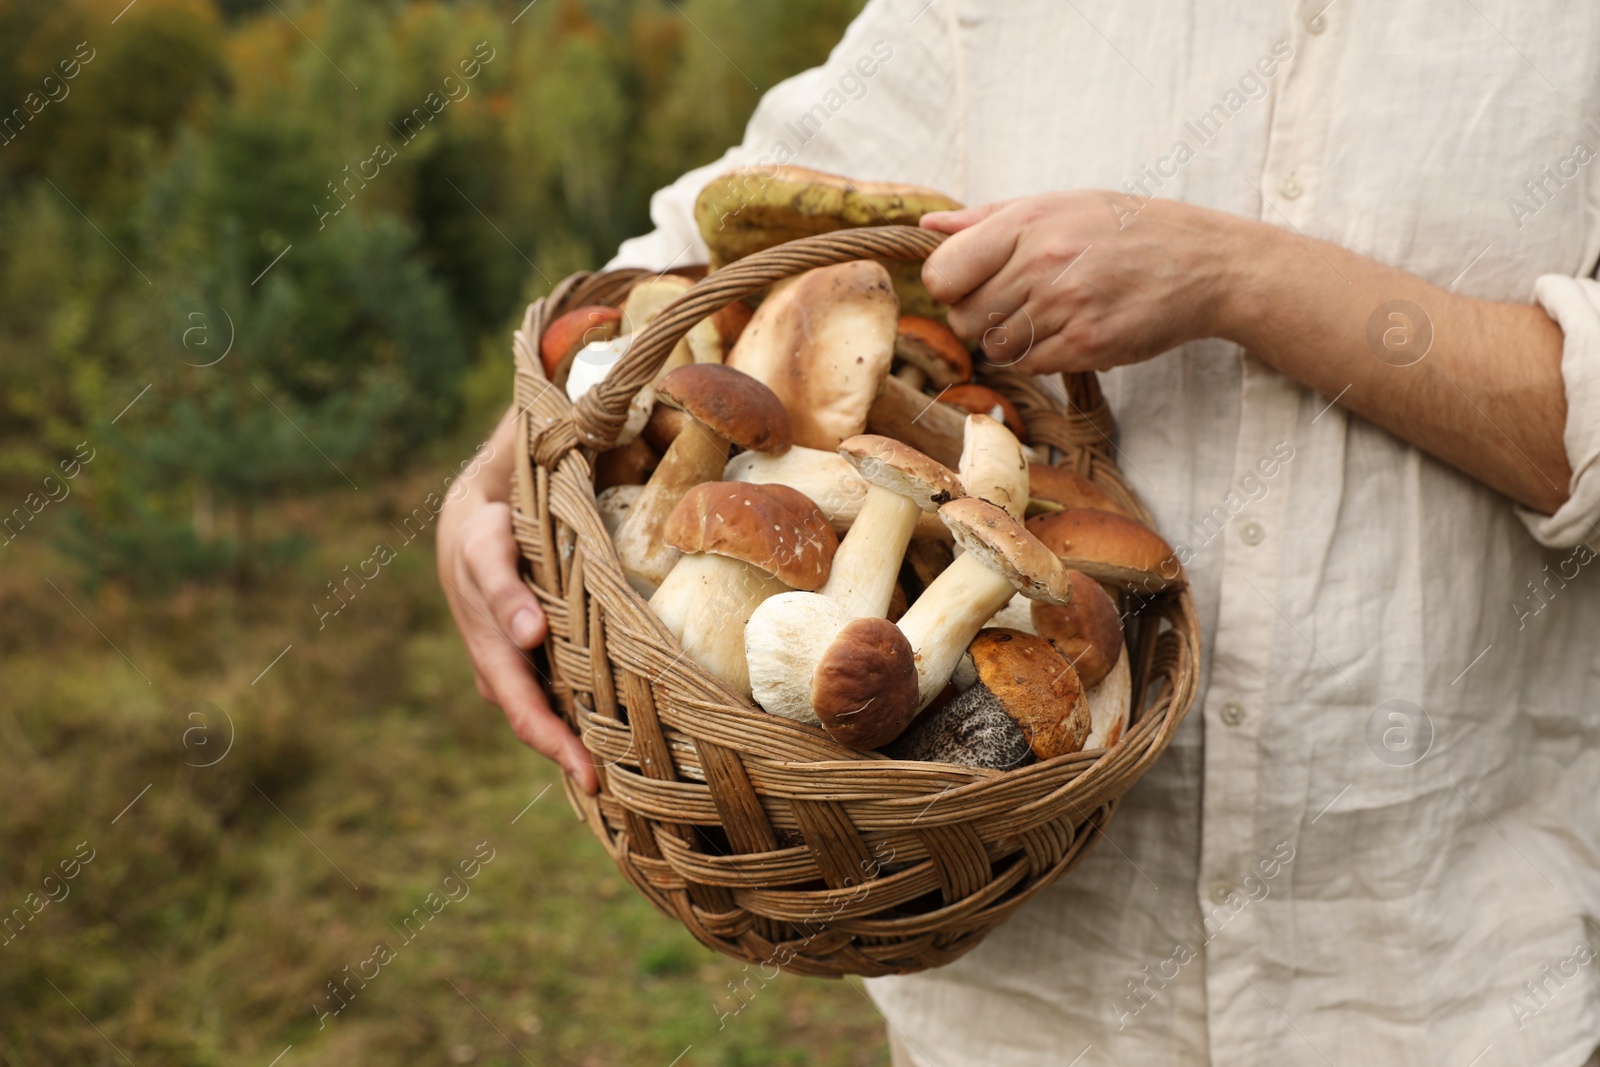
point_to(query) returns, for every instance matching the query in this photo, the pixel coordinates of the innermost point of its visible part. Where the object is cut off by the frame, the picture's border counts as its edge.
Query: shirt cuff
(1574, 303)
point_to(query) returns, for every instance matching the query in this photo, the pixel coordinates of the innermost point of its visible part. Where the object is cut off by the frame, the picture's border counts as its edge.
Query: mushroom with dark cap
(742, 544)
(1028, 704)
(1001, 556)
(1087, 630)
(810, 661)
(724, 406)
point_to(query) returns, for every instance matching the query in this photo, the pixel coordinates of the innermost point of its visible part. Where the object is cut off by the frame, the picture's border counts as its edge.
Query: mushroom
(810, 661)
(648, 298)
(615, 503)
(714, 336)
(929, 353)
(570, 332)
(981, 400)
(823, 342)
(826, 477)
(1110, 548)
(1027, 704)
(1111, 705)
(628, 464)
(1053, 488)
(741, 544)
(590, 367)
(993, 467)
(902, 483)
(724, 406)
(1001, 555)
(1087, 630)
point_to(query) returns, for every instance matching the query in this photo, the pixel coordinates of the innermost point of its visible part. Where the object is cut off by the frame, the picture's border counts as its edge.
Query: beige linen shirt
(1375, 840)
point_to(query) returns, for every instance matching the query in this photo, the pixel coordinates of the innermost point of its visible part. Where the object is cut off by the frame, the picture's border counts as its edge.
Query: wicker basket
(768, 840)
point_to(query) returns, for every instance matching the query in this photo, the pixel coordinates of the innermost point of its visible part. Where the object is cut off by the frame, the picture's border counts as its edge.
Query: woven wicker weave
(768, 840)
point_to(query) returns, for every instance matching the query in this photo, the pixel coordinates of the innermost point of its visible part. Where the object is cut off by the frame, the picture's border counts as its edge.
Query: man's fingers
(490, 554)
(528, 711)
(955, 221)
(968, 259)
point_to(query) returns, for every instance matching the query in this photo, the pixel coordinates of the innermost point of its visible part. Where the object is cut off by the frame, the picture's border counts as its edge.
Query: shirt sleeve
(1574, 303)
(884, 107)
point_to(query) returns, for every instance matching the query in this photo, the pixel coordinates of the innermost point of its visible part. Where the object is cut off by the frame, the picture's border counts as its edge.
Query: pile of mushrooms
(831, 517)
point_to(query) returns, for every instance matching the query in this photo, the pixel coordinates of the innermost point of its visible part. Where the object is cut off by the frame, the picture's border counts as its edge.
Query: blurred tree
(181, 195)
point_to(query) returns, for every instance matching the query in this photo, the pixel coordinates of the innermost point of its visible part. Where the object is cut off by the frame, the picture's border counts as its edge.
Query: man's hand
(1089, 280)
(1083, 280)
(499, 617)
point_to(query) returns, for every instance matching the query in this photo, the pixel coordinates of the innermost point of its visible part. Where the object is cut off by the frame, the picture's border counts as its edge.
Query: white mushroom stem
(705, 602)
(947, 616)
(868, 560)
(696, 455)
(828, 479)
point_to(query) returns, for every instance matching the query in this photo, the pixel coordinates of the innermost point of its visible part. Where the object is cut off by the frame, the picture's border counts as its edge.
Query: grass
(222, 900)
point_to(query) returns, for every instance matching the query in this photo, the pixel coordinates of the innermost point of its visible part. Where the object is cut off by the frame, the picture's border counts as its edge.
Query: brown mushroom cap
(570, 332)
(1110, 548)
(729, 403)
(931, 347)
(896, 466)
(1087, 631)
(978, 399)
(772, 527)
(864, 688)
(1036, 686)
(730, 323)
(1005, 546)
(1069, 489)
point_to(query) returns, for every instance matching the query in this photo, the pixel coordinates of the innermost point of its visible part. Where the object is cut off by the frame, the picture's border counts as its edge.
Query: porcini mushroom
(993, 466)
(901, 483)
(1052, 488)
(590, 367)
(1087, 630)
(648, 298)
(1111, 705)
(981, 400)
(826, 477)
(1110, 548)
(570, 332)
(724, 406)
(809, 660)
(742, 544)
(823, 342)
(1001, 556)
(929, 353)
(615, 503)
(1027, 704)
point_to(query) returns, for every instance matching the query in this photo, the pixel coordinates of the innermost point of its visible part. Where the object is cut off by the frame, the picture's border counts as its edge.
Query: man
(1336, 260)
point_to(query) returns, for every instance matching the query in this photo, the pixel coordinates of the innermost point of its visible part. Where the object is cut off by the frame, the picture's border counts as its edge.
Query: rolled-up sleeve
(886, 106)
(1574, 303)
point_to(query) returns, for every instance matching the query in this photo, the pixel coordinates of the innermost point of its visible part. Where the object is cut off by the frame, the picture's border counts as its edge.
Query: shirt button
(1316, 24)
(1233, 713)
(1290, 188)
(1220, 893)
(1252, 532)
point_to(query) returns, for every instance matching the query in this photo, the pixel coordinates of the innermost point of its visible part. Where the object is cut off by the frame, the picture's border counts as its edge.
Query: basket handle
(598, 417)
